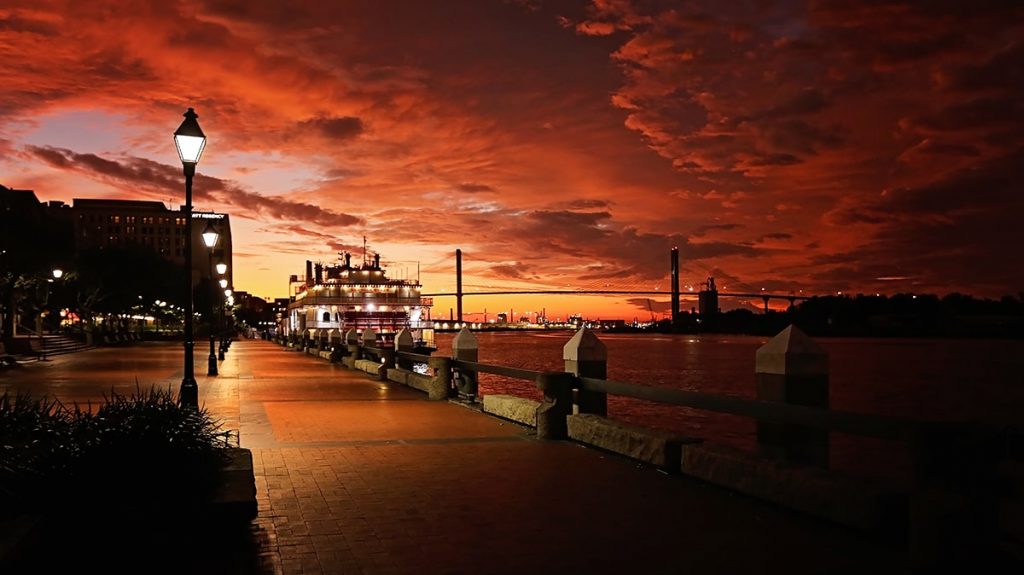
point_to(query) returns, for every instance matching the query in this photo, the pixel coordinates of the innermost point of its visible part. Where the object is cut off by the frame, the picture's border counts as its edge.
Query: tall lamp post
(210, 236)
(190, 141)
(222, 269)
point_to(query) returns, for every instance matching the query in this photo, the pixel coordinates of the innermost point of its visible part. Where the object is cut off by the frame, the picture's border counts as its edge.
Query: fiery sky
(864, 146)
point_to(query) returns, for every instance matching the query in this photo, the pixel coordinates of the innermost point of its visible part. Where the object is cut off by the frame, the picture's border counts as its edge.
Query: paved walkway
(359, 476)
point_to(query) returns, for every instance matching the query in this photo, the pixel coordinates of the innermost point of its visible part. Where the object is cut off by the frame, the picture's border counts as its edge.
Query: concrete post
(465, 347)
(351, 339)
(556, 407)
(441, 381)
(585, 355)
(793, 369)
(404, 342)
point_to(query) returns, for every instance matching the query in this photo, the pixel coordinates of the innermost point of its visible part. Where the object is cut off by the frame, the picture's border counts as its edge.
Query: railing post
(557, 405)
(585, 355)
(404, 343)
(465, 347)
(441, 380)
(791, 368)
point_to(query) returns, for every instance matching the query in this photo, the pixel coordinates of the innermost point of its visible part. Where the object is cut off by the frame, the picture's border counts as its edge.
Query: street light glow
(222, 268)
(210, 235)
(189, 139)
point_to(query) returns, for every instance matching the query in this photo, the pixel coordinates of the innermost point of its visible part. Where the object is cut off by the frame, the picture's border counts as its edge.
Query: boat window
(327, 316)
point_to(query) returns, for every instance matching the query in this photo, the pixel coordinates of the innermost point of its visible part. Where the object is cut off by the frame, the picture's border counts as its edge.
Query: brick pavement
(359, 476)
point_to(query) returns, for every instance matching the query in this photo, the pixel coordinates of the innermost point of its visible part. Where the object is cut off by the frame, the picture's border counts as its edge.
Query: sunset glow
(796, 147)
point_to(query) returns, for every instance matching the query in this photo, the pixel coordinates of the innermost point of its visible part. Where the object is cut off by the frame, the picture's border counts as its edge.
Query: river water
(933, 379)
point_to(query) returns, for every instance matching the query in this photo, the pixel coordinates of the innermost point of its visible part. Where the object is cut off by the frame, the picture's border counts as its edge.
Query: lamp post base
(189, 394)
(211, 361)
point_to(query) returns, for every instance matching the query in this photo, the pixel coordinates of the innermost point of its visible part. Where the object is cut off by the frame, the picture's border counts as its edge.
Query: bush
(132, 452)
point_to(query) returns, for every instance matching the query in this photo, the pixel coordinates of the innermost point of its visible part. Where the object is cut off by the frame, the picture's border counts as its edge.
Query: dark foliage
(131, 453)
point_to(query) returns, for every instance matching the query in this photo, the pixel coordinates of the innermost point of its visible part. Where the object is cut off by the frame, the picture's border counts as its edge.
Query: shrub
(138, 451)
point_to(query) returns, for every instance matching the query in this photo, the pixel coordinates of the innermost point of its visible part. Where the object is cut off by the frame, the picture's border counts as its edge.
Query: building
(105, 224)
(707, 299)
(31, 245)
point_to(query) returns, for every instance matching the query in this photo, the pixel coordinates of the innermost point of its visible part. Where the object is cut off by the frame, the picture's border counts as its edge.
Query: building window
(130, 230)
(129, 219)
(327, 316)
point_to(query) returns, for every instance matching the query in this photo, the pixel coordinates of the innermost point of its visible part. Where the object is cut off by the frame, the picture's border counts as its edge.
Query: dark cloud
(340, 128)
(135, 172)
(1003, 71)
(808, 101)
(703, 230)
(473, 188)
(16, 23)
(585, 204)
(953, 231)
(650, 305)
(511, 271)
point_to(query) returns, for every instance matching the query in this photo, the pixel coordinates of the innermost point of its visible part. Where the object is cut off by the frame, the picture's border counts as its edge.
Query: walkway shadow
(79, 543)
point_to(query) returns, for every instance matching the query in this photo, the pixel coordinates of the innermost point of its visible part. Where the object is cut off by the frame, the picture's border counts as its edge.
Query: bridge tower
(458, 282)
(675, 286)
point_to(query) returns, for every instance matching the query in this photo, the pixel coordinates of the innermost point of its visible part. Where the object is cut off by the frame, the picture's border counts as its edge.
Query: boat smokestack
(318, 273)
(309, 273)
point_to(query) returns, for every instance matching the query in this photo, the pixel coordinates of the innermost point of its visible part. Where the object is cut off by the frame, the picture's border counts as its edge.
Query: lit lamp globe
(223, 283)
(58, 273)
(190, 140)
(210, 235)
(222, 268)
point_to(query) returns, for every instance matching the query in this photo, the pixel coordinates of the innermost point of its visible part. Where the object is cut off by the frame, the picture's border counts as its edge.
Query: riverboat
(333, 298)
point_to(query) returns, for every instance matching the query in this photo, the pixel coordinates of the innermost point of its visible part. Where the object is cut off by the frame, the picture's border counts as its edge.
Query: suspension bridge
(707, 296)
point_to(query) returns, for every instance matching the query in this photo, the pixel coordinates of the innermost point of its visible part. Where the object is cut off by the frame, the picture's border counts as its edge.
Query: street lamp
(57, 274)
(210, 236)
(190, 141)
(222, 268)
